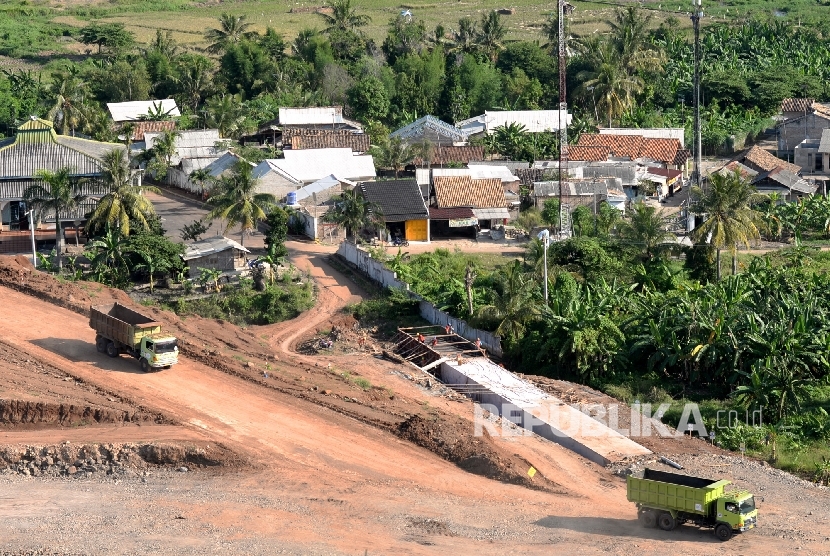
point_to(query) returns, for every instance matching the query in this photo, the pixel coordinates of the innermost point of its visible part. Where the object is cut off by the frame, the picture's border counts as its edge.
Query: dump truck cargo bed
(660, 489)
(120, 323)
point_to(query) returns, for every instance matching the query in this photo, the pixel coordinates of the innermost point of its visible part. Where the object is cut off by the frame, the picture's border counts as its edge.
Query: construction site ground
(306, 451)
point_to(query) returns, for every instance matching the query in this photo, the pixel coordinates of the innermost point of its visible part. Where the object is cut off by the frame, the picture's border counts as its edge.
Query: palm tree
(194, 79)
(491, 37)
(394, 154)
(607, 81)
(69, 92)
(124, 201)
(234, 199)
(163, 151)
(646, 228)
(152, 264)
(352, 211)
(107, 258)
(511, 140)
(226, 114)
(63, 195)
(233, 28)
(515, 302)
(464, 40)
(201, 176)
(343, 16)
(730, 219)
(630, 38)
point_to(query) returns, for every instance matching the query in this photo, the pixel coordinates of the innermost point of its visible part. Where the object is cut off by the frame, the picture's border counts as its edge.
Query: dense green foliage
(637, 74)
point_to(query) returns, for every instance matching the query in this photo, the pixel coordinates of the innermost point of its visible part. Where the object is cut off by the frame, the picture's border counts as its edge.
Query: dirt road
(321, 482)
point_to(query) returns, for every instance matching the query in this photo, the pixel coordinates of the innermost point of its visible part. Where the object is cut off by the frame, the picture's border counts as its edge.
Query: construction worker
(447, 329)
(421, 338)
(434, 341)
(478, 346)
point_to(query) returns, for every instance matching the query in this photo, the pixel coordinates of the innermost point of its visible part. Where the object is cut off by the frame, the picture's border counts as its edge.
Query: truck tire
(112, 350)
(101, 344)
(666, 521)
(723, 532)
(648, 519)
(145, 366)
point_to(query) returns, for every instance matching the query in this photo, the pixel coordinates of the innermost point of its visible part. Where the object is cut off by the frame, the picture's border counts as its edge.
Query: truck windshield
(748, 505)
(165, 347)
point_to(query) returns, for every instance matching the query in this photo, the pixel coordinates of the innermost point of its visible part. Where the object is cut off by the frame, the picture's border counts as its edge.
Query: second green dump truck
(667, 499)
(121, 330)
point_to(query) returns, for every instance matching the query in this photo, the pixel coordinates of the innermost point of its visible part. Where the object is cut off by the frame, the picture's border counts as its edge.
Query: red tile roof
(140, 127)
(620, 145)
(588, 154)
(767, 161)
(454, 155)
(630, 146)
(796, 104)
(463, 191)
(301, 138)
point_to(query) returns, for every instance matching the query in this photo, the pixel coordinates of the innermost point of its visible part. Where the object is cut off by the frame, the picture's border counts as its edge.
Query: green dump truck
(668, 499)
(122, 330)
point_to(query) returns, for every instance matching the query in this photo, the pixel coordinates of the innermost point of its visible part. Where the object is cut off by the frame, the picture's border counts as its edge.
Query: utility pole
(564, 7)
(544, 236)
(697, 13)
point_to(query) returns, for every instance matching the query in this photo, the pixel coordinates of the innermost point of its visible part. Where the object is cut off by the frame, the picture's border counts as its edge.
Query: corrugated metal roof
(787, 179)
(210, 246)
(187, 139)
(317, 187)
(491, 213)
(320, 115)
(479, 172)
(824, 145)
(572, 188)
(430, 127)
(511, 165)
(191, 164)
(133, 110)
(535, 121)
(422, 176)
(36, 146)
(312, 164)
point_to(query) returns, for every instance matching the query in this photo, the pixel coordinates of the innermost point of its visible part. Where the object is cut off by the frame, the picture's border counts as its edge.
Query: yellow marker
(531, 472)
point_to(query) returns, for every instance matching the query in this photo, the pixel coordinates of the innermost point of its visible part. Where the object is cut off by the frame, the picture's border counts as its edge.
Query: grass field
(188, 20)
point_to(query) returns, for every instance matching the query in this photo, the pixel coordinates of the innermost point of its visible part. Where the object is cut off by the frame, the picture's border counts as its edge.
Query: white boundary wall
(378, 272)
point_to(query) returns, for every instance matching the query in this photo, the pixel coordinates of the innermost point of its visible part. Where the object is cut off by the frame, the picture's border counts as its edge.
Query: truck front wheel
(648, 519)
(666, 522)
(112, 350)
(723, 532)
(145, 366)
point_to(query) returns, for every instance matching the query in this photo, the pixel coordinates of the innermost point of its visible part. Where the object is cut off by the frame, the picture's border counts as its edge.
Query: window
(732, 507)
(748, 505)
(166, 347)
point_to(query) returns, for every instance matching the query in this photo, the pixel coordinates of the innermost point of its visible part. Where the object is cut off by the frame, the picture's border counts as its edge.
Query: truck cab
(737, 509)
(158, 351)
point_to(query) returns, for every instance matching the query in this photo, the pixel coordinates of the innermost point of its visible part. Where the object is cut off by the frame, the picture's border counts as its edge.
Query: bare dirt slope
(330, 472)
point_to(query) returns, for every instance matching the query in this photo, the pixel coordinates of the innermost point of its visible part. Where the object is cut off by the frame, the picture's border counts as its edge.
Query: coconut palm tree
(464, 40)
(163, 151)
(62, 195)
(226, 114)
(232, 29)
(235, 200)
(630, 38)
(607, 81)
(352, 211)
(730, 219)
(394, 154)
(69, 92)
(515, 302)
(491, 38)
(646, 228)
(124, 202)
(343, 16)
(194, 78)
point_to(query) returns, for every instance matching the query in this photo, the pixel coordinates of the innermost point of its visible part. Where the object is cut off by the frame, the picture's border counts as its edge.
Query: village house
(312, 202)
(36, 146)
(142, 116)
(484, 196)
(405, 214)
(215, 253)
(279, 176)
(770, 174)
(808, 126)
(195, 149)
(293, 127)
